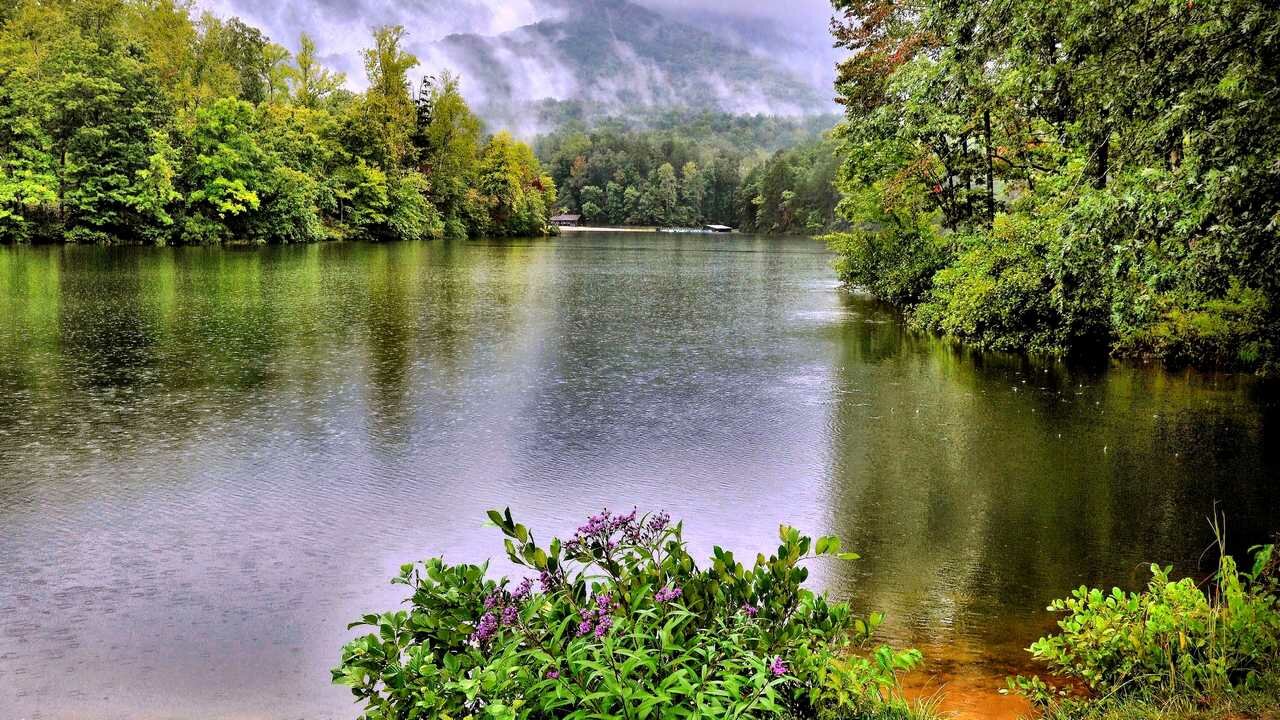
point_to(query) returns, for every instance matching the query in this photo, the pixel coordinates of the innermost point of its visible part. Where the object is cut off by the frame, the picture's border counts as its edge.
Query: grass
(1260, 703)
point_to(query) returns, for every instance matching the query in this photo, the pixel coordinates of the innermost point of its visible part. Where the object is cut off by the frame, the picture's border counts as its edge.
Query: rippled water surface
(212, 460)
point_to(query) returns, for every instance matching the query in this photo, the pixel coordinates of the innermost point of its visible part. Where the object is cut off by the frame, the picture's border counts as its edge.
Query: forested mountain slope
(613, 56)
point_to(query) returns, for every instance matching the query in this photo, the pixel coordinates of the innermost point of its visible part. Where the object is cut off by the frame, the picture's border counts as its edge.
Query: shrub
(1260, 702)
(895, 264)
(997, 293)
(896, 243)
(1015, 287)
(411, 215)
(624, 625)
(1229, 332)
(288, 211)
(1172, 641)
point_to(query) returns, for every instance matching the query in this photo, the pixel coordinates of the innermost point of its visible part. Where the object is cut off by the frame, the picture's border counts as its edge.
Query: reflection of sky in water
(210, 461)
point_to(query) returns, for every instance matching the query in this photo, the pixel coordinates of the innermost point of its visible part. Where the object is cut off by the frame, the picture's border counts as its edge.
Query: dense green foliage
(626, 625)
(791, 192)
(1174, 641)
(135, 121)
(1057, 176)
(714, 169)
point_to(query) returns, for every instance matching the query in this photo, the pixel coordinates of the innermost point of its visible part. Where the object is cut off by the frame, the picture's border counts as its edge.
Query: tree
(29, 182)
(447, 143)
(615, 202)
(707, 153)
(388, 108)
(310, 82)
(244, 48)
(226, 172)
(275, 59)
(82, 136)
(593, 201)
(166, 30)
(693, 191)
(516, 193)
(138, 121)
(212, 73)
(666, 194)
(1066, 175)
(632, 205)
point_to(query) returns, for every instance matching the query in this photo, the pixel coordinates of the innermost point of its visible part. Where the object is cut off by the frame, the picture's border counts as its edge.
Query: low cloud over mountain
(602, 56)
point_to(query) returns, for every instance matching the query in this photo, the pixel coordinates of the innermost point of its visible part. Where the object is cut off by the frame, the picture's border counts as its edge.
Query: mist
(505, 64)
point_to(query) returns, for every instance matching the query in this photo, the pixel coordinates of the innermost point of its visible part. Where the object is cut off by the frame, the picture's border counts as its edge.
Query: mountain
(613, 57)
(803, 46)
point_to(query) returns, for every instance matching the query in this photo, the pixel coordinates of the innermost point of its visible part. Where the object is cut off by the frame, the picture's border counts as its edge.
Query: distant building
(566, 220)
(718, 228)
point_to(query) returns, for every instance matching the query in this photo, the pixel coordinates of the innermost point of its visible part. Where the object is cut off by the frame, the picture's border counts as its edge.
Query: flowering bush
(623, 624)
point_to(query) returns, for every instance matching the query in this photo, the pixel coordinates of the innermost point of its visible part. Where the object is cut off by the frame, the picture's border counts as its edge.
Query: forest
(139, 121)
(142, 121)
(1067, 177)
(755, 173)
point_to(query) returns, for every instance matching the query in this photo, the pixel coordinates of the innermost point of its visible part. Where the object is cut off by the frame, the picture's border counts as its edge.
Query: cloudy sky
(793, 31)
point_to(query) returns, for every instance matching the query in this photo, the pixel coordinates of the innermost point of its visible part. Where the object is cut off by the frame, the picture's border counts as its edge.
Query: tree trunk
(991, 174)
(1099, 153)
(1097, 169)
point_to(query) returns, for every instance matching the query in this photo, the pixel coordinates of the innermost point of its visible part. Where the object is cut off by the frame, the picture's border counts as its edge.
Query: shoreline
(566, 229)
(583, 228)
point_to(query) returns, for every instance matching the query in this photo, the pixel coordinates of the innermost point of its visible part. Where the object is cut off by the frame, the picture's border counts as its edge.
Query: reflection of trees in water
(124, 347)
(177, 318)
(981, 486)
(432, 308)
(28, 327)
(127, 350)
(106, 332)
(658, 341)
(393, 299)
(948, 469)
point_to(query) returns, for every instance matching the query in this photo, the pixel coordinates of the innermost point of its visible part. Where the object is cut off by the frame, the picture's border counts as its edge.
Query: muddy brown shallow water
(211, 460)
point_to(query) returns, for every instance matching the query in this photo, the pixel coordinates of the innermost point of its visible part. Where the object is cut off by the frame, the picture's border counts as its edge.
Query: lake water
(211, 460)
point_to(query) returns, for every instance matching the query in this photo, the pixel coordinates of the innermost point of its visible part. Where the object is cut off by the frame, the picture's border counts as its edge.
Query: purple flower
(666, 595)
(750, 610)
(606, 532)
(491, 600)
(553, 674)
(658, 522)
(604, 602)
(602, 627)
(623, 521)
(510, 615)
(549, 580)
(596, 524)
(584, 628)
(485, 629)
(777, 667)
(523, 589)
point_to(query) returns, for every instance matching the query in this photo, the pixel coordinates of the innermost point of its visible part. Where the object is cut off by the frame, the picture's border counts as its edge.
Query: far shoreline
(565, 229)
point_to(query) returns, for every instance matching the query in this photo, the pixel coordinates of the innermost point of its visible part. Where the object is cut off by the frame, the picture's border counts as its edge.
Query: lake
(212, 459)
